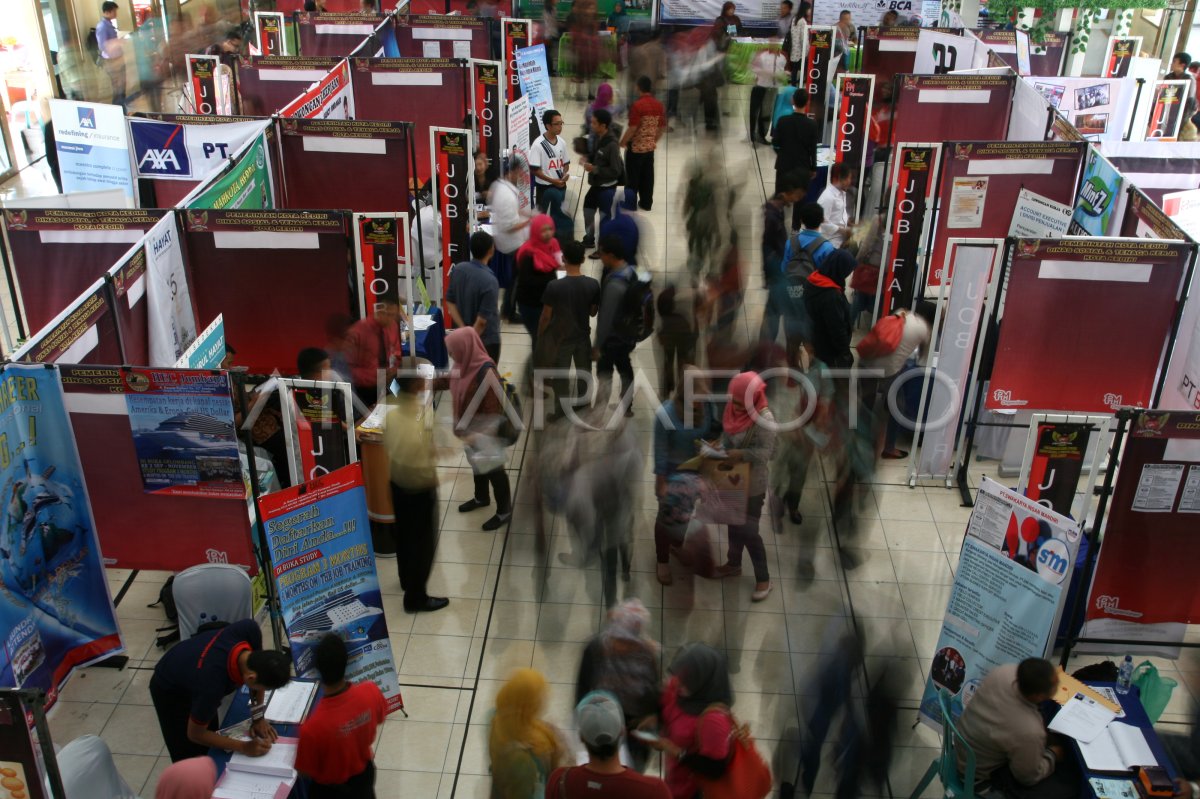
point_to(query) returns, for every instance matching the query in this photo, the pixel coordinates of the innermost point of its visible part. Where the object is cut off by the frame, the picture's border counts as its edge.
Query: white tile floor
(509, 610)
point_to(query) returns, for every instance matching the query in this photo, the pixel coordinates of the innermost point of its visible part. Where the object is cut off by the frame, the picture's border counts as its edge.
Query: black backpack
(637, 309)
(795, 281)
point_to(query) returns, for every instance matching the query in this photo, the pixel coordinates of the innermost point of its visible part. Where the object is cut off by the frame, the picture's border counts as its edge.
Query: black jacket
(795, 140)
(606, 157)
(829, 312)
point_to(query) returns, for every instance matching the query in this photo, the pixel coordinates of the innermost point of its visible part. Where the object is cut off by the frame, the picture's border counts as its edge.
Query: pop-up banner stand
(443, 36)
(487, 108)
(56, 253)
(298, 258)
(318, 429)
(910, 208)
(1059, 450)
(318, 157)
(454, 188)
(428, 92)
(385, 264)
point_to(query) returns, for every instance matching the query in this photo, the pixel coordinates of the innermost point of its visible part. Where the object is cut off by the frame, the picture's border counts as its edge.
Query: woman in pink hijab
(193, 778)
(749, 436)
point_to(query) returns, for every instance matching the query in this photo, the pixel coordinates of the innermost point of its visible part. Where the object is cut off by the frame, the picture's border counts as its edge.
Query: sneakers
(761, 592)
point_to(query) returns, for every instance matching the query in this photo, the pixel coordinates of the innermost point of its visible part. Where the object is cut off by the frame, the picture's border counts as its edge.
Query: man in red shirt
(647, 124)
(373, 346)
(601, 724)
(335, 741)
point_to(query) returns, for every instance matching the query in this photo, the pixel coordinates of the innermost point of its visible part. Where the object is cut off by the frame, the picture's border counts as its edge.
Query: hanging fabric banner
(818, 67)
(202, 78)
(1057, 464)
(1096, 202)
(57, 612)
(324, 569)
(454, 184)
(487, 106)
(246, 185)
(332, 97)
(172, 319)
(912, 190)
(515, 34)
(269, 33)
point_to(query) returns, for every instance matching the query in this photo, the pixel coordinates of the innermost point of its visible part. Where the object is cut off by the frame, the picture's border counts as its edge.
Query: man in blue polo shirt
(193, 678)
(473, 295)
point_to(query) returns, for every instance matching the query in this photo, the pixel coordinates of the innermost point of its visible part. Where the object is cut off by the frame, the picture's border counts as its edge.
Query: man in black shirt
(795, 141)
(564, 332)
(193, 678)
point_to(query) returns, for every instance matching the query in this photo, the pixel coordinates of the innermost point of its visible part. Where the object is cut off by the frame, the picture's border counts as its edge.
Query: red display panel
(334, 34)
(277, 276)
(997, 171)
(171, 532)
(1145, 220)
(952, 107)
(1044, 59)
(1085, 324)
(1147, 568)
(85, 332)
(463, 7)
(428, 92)
(268, 83)
(290, 7)
(132, 308)
(57, 253)
(888, 52)
(318, 154)
(415, 32)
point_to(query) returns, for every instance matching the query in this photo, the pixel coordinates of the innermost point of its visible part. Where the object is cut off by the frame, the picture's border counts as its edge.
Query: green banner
(246, 185)
(639, 9)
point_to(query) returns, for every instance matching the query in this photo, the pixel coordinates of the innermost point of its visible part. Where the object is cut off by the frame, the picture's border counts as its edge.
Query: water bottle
(1125, 675)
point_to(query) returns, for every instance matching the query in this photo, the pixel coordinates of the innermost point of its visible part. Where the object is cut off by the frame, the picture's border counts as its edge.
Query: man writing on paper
(335, 741)
(196, 675)
(1004, 727)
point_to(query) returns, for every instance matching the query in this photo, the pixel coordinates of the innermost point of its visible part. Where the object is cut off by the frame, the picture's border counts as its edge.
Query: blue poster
(324, 568)
(55, 612)
(1097, 197)
(534, 75)
(183, 432)
(999, 612)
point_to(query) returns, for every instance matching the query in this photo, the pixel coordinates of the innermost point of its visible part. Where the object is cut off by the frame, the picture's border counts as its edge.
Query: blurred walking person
(523, 748)
(564, 331)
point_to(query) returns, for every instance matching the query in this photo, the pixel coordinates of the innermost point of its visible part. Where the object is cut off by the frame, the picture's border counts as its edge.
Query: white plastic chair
(211, 592)
(88, 771)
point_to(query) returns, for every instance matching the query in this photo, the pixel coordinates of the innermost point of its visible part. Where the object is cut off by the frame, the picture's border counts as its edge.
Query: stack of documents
(271, 776)
(289, 704)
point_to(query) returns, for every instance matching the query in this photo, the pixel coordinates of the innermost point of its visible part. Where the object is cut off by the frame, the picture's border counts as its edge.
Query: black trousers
(493, 351)
(360, 786)
(174, 710)
(613, 355)
(758, 124)
(416, 540)
(639, 177)
(578, 353)
(498, 480)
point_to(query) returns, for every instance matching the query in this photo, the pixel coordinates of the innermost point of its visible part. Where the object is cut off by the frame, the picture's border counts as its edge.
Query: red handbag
(747, 776)
(883, 339)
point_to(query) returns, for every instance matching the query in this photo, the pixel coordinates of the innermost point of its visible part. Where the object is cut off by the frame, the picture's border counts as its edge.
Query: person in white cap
(601, 724)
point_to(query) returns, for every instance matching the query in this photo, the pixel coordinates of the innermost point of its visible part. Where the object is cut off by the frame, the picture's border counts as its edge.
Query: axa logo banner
(171, 151)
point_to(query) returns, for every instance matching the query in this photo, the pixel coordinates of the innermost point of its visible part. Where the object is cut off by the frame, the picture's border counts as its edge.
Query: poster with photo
(968, 197)
(1053, 93)
(184, 433)
(1100, 108)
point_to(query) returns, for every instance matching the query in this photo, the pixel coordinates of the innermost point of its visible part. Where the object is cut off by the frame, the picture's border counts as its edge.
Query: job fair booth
(1052, 220)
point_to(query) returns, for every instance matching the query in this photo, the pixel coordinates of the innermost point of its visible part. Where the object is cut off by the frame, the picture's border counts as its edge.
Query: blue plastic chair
(946, 765)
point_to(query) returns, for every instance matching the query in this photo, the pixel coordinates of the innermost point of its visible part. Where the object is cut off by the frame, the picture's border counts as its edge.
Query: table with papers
(1115, 742)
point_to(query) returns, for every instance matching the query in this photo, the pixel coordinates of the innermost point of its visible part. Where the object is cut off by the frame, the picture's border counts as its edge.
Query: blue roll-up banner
(56, 612)
(534, 75)
(323, 563)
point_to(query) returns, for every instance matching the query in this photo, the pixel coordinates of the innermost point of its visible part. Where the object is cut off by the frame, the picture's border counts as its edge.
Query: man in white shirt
(770, 69)
(836, 227)
(549, 163)
(510, 228)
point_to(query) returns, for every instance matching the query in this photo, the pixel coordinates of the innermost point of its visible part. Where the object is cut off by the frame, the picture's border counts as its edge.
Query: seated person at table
(1184, 751)
(193, 678)
(335, 741)
(1004, 727)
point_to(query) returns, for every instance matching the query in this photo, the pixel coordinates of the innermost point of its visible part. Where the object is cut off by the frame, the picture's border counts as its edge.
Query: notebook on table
(1120, 747)
(271, 776)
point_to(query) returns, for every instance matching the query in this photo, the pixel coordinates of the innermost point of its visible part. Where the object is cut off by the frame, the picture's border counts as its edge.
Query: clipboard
(1068, 686)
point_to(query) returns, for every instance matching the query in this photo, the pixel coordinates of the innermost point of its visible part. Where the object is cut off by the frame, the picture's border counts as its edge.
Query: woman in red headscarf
(538, 261)
(749, 437)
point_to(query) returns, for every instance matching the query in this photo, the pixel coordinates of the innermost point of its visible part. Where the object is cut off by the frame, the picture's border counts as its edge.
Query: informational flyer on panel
(1038, 217)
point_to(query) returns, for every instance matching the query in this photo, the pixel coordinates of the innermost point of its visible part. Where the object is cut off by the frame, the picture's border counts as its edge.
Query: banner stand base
(115, 662)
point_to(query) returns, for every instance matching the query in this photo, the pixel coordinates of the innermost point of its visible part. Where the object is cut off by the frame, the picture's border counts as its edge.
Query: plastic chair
(946, 765)
(211, 592)
(88, 771)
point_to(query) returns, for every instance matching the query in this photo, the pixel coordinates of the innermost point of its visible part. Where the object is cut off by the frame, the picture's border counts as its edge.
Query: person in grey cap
(601, 724)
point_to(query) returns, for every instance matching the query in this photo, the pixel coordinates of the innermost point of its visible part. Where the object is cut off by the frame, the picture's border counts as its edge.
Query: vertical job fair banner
(1166, 109)
(92, 146)
(1121, 51)
(379, 245)
(1145, 578)
(818, 69)
(57, 613)
(269, 33)
(1057, 464)
(1009, 590)
(487, 108)
(247, 183)
(1097, 199)
(20, 766)
(178, 151)
(317, 438)
(323, 564)
(202, 80)
(171, 315)
(208, 350)
(332, 97)
(514, 34)
(913, 174)
(851, 126)
(183, 432)
(534, 76)
(453, 171)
